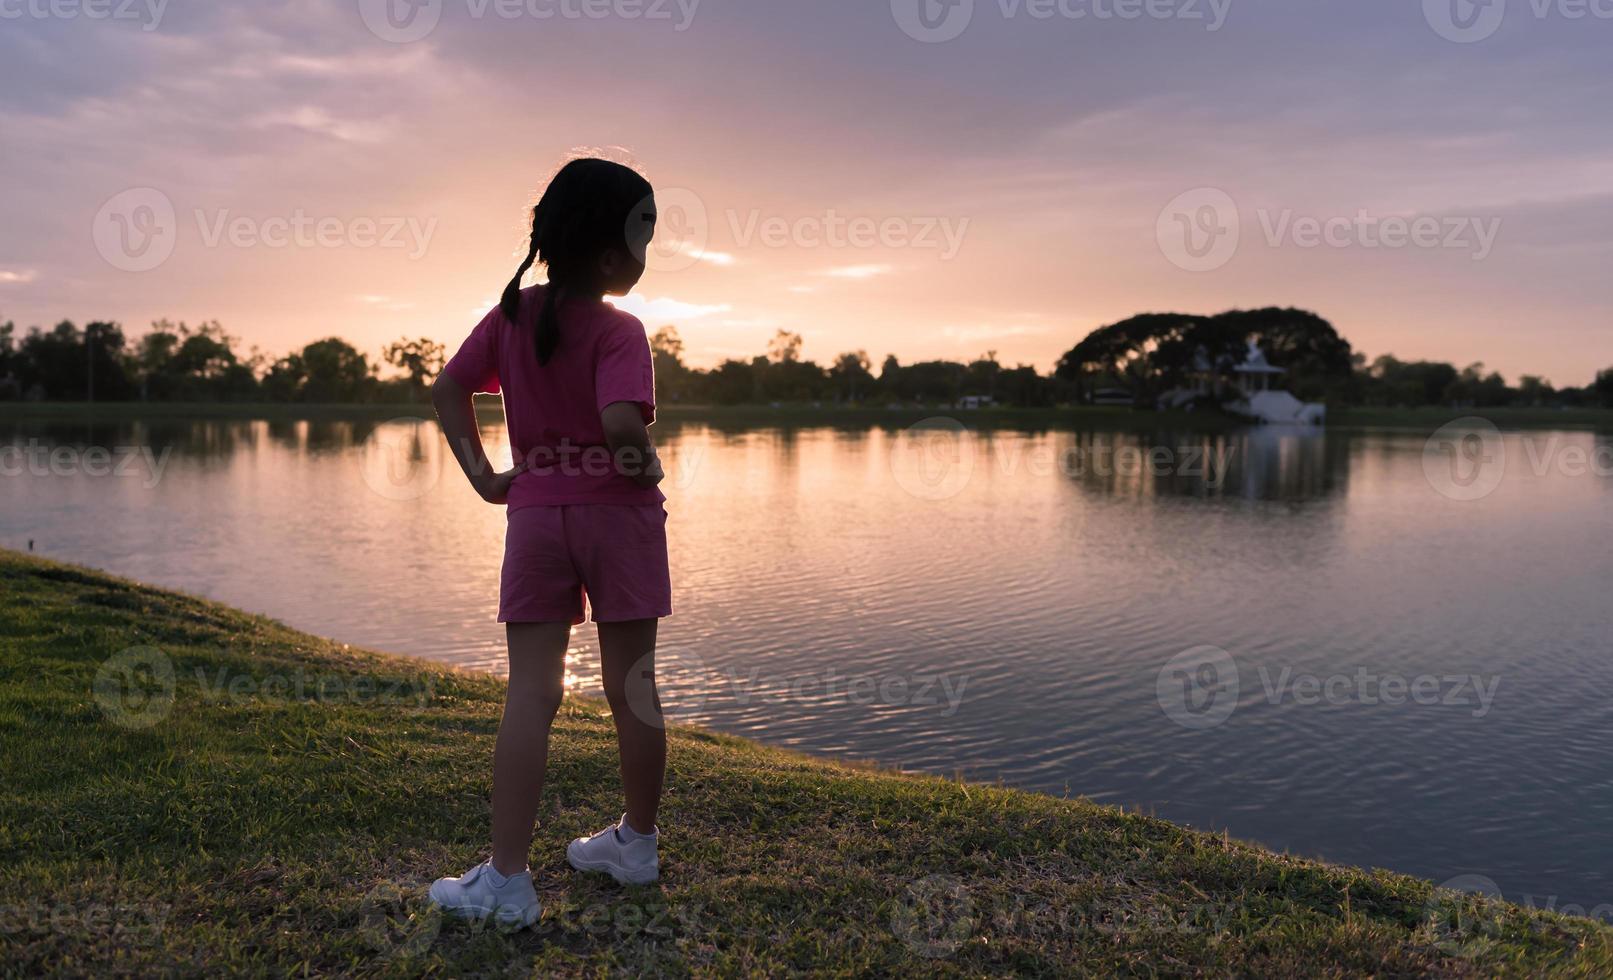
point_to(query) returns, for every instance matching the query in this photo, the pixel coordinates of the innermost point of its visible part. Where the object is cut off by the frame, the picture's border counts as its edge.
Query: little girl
(586, 521)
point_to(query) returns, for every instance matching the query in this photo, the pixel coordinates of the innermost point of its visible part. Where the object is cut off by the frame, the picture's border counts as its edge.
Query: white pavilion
(1263, 403)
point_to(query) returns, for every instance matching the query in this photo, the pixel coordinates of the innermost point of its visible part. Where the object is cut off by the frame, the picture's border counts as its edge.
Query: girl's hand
(495, 489)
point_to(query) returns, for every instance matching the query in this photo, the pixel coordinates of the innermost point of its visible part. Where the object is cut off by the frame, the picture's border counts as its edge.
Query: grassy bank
(190, 789)
(761, 416)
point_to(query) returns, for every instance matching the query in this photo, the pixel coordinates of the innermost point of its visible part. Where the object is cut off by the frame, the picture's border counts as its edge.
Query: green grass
(242, 825)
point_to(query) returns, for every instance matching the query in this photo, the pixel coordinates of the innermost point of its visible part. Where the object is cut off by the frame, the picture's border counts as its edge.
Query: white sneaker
(630, 862)
(474, 896)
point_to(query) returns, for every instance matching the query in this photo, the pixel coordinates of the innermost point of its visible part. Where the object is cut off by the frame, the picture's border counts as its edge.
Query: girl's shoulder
(610, 323)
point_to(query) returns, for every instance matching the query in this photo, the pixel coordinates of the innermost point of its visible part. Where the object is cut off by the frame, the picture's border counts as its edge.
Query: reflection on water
(1310, 639)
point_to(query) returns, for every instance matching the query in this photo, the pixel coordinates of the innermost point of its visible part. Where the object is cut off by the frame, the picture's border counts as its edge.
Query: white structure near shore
(1265, 404)
(1255, 398)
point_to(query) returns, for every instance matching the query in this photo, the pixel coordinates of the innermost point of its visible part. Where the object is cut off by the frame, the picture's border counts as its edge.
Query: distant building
(1263, 403)
(1113, 396)
(1252, 395)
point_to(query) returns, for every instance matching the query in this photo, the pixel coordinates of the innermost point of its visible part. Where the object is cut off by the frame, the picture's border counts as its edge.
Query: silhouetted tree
(1535, 391)
(733, 382)
(785, 347)
(420, 360)
(1476, 388)
(1395, 383)
(284, 380)
(1154, 352)
(334, 371)
(850, 377)
(672, 378)
(1602, 388)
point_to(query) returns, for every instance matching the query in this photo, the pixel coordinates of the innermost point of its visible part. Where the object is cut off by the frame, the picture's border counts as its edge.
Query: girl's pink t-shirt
(552, 410)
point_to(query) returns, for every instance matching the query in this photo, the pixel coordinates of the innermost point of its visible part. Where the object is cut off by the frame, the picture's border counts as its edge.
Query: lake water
(1362, 646)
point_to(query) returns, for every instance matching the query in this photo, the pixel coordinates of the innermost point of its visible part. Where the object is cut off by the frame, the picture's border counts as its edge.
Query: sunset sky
(831, 154)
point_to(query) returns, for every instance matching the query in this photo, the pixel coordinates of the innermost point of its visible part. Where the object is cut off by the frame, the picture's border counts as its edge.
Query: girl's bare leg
(537, 684)
(627, 661)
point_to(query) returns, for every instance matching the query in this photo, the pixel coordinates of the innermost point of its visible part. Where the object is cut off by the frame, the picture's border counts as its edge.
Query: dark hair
(590, 206)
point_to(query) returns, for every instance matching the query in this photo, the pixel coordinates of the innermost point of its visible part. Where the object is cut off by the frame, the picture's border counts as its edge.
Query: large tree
(850, 377)
(1154, 352)
(335, 371)
(1602, 387)
(1316, 358)
(421, 360)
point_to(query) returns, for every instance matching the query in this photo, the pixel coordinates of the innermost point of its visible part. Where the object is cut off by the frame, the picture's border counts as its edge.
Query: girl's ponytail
(587, 209)
(547, 336)
(510, 302)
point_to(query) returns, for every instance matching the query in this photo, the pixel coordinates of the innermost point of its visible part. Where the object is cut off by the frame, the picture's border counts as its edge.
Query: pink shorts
(611, 557)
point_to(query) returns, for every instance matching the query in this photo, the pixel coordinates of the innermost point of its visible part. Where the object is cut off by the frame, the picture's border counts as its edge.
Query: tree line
(1144, 356)
(1153, 353)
